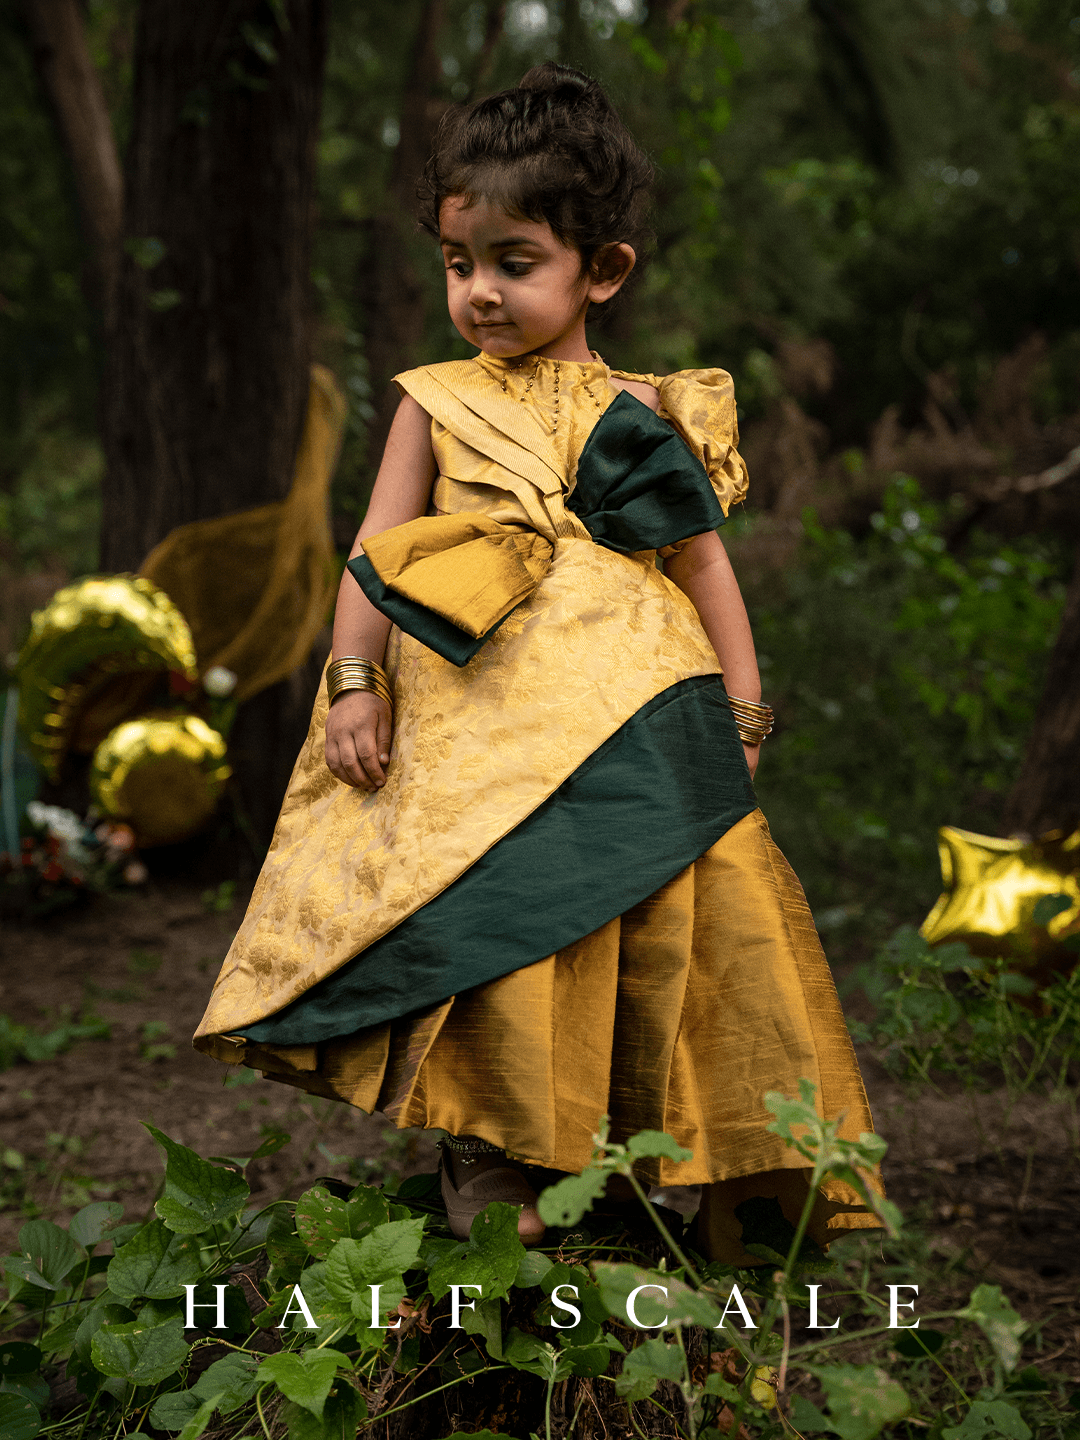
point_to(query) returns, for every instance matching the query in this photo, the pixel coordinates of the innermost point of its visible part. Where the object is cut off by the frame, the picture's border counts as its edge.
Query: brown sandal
(503, 1183)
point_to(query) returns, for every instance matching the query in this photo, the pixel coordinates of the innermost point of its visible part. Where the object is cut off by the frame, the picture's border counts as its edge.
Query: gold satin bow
(466, 568)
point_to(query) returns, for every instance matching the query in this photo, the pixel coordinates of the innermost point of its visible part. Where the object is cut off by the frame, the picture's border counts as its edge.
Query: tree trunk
(208, 366)
(207, 373)
(74, 86)
(393, 293)
(1047, 794)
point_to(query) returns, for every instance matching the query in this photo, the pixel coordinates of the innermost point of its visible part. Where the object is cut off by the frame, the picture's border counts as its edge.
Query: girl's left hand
(753, 754)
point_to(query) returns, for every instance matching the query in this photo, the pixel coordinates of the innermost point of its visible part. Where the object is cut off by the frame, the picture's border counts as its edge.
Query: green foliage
(944, 1012)
(20, 1042)
(136, 1365)
(904, 678)
(197, 1194)
(862, 1399)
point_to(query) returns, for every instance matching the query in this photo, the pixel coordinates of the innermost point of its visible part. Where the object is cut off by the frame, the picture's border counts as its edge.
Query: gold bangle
(753, 738)
(753, 720)
(354, 672)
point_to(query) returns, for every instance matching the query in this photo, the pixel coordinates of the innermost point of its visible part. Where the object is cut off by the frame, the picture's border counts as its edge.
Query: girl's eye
(459, 267)
(516, 267)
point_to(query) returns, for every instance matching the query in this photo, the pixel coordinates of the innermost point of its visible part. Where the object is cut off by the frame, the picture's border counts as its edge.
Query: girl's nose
(484, 291)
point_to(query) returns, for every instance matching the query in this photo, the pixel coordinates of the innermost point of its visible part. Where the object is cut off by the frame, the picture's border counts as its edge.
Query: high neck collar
(497, 366)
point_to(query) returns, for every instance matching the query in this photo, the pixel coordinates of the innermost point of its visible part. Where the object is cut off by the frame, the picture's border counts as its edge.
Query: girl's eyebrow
(446, 243)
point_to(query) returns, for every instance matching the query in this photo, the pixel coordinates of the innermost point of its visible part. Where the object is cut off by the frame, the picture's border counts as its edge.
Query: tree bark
(1047, 794)
(393, 292)
(207, 374)
(63, 59)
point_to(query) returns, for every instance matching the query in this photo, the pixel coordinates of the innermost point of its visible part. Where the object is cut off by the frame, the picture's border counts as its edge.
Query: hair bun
(561, 82)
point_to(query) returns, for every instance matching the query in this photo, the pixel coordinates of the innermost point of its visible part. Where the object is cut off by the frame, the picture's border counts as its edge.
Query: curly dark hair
(551, 149)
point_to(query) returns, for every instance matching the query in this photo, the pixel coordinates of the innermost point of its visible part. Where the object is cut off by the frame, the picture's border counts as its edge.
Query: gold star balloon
(991, 889)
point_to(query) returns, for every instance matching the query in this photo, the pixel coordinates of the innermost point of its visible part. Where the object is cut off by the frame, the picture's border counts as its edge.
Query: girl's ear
(608, 270)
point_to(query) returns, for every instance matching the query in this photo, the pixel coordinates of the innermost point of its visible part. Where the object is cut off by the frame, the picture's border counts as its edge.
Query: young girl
(520, 879)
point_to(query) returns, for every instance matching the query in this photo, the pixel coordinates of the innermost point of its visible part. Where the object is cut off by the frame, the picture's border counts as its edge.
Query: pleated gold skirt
(677, 1016)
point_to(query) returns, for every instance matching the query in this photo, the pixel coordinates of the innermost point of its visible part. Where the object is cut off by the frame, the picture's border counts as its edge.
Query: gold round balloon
(162, 774)
(94, 655)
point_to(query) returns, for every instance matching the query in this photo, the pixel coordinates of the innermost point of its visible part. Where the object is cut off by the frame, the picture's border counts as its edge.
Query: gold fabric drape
(256, 587)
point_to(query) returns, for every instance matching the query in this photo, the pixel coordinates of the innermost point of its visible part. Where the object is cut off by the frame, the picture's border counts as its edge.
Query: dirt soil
(994, 1197)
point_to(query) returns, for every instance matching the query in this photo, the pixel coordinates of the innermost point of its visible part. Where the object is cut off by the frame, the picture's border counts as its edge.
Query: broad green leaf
(565, 1203)
(655, 1358)
(367, 1207)
(478, 1435)
(61, 1338)
(588, 1361)
(286, 1251)
(233, 1380)
(804, 1416)
(329, 1313)
(90, 1225)
(680, 1306)
(155, 1263)
(387, 1251)
(491, 1258)
(717, 1385)
(140, 1354)
(272, 1144)
(197, 1194)
(173, 1410)
(494, 1236)
(485, 1319)
(998, 1321)
(19, 1358)
(49, 1250)
(460, 1266)
(22, 1276)
(104, 1311)
(322, 1219)
(19, 1418)
(304, 1379)
(200, 1420)
(987, 1418)
(918, 1343)
(655, 1143)
(534, 1266)
(347, 1281)
(342, 1416)
(862, 1399)
(536, 1356)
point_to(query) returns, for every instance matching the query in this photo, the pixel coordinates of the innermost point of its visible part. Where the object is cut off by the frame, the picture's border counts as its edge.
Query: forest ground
(987, 1198)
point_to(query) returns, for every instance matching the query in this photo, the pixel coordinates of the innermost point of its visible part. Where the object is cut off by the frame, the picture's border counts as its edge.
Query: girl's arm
(703, 572)
(358, 727)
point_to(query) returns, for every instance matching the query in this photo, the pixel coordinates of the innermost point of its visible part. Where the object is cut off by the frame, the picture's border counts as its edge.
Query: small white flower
(61, 824)
(219, 681)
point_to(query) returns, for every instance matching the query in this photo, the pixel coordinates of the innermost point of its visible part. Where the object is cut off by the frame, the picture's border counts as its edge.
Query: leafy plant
(21, 1042)
(329, 1315)
(904, 678)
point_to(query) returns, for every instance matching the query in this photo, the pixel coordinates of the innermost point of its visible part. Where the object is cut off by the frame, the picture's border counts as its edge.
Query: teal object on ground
(19, 776)
(645, 805)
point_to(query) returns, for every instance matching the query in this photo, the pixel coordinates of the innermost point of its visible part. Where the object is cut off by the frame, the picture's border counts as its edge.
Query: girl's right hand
(358, 731)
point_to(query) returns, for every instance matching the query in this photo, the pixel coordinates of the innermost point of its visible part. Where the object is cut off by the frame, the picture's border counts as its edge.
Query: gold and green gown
(564, 902)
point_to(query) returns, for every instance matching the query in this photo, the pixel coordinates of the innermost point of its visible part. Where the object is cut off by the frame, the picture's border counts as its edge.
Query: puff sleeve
(700, 404)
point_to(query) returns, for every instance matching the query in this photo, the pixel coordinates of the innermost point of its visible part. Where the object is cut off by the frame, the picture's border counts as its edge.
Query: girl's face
(514, 288)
